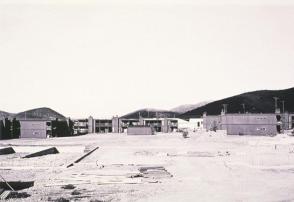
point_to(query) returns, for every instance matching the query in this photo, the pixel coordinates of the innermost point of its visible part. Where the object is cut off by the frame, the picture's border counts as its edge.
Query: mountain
(255, 102)
(40, 113)
(151, 113)
(188, 107)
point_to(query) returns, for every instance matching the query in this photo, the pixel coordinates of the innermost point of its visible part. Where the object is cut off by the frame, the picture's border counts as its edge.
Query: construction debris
(8, 150)
(6, 183)
(76, 192)
(7, 189)
(51, 150)
(4, 194)
(155, 172)
(18, 195)
(185, 134)
(84, 156)
(16, 185)
(136, 175)
(60, 200)
(68, 186)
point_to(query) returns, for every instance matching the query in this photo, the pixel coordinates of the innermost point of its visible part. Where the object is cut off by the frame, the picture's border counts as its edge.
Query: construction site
(146, 101)
(207, 166)
(148, 158)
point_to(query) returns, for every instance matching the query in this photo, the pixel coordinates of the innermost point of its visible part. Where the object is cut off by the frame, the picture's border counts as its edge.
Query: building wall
(33, 129)
(173, 125)
(212, 122)
(288, 121)
(81, 126)
(140, 130)
(252, 129)
(90, 125)
(103, 125)
(249, 124)
(115, 124)
(196, 123)
(183, 124)
(165, 126)
(154, 123)
(125, 123)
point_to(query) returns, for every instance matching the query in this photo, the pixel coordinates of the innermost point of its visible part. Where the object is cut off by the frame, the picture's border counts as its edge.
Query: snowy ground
(208, 166)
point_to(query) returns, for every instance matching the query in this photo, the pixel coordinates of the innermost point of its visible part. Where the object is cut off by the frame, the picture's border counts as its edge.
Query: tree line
(11, 129)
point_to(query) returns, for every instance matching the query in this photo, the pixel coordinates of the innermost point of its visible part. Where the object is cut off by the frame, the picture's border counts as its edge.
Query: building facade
(103, 125)
(124, 124)
(140, 130)
(250, 124)
(80, 126)
(212, 122)
(35, 128)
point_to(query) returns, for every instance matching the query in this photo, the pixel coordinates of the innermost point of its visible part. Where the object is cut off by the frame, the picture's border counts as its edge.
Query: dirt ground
(207, 166)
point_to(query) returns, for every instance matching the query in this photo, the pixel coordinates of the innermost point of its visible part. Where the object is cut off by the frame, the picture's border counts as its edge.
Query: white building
(193, 124)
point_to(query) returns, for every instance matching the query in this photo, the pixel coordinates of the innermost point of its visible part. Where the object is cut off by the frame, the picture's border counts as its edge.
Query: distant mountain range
(151, 113)
(38, 113)
(254, 102)
(188, 107)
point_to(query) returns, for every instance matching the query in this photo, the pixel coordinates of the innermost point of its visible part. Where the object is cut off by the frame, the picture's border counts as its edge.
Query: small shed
(250, 124)
(34, 128)
(140, 130)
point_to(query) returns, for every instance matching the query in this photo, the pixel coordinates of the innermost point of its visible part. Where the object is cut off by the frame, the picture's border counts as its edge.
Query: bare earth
(208, 166)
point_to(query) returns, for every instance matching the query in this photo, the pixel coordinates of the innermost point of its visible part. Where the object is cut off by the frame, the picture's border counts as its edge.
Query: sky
(106, 58)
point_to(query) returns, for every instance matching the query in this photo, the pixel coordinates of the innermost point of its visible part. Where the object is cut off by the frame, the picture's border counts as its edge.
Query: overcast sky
(105, 58)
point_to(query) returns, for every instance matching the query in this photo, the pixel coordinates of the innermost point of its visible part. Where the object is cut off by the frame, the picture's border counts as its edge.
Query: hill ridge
(259, 101)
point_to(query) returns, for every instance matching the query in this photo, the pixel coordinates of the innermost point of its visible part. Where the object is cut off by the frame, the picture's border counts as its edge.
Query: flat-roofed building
(196, 123)
(169, 125)
(125, 123)
(103, 125)
(250, 124)
(35, 128)
(80, 126)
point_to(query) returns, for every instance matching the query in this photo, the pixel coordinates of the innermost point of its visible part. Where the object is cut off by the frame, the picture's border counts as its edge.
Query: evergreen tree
(15, 129)
(7, 129)
(1, 129)
(71, 127)
(60, 129)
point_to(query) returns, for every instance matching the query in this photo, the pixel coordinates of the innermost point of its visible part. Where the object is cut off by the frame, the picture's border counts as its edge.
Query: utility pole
(225, 106)
(243, 105)
(276, 103)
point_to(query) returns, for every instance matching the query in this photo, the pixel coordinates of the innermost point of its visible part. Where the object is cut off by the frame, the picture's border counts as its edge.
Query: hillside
(188, 107)
(150, 113)
(255, 102)
(40, 113)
